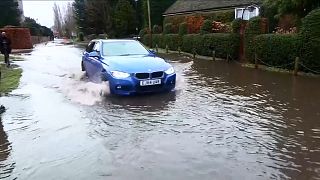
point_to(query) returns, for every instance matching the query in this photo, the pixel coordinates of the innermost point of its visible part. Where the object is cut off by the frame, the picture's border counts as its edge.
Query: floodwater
(222, 122)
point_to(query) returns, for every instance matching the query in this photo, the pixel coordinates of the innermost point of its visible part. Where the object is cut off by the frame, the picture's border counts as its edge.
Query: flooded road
(222, 122)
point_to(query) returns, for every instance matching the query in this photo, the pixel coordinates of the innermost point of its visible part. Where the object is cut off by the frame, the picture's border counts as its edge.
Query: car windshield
(123, 48)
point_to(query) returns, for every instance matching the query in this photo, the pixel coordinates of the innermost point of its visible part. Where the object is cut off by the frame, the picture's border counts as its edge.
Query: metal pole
(149, 16)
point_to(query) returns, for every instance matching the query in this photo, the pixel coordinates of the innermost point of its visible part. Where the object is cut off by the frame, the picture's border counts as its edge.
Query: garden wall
(20, 37)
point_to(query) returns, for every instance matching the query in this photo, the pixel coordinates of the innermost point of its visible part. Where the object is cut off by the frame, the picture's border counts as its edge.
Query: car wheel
(82, 66)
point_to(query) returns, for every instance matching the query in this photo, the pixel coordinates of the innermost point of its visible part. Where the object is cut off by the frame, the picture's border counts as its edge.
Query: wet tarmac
(223, 121)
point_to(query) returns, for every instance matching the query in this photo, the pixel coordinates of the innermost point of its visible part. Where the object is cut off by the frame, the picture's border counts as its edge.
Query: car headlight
(118, 74)
(169, 71)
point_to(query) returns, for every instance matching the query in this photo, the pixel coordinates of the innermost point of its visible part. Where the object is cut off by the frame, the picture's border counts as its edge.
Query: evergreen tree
(79, 8)
(297, 7)
(98, 16)
(35, 28)
(9, 13)
(124, 18)
(157, 8)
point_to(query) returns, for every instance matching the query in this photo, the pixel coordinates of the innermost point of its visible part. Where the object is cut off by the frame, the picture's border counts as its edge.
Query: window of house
(245, 13)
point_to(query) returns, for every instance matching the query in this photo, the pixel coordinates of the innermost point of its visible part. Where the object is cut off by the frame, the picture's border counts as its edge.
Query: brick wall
(20, 37)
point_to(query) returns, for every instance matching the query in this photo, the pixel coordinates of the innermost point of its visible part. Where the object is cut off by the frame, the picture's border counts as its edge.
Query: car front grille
(158, 74)
(143, 75)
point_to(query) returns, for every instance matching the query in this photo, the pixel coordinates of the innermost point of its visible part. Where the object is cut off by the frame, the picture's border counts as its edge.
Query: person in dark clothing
(5, 47)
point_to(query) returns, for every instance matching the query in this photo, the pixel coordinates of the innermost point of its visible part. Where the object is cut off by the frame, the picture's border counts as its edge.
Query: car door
(96, 62)
(87, 60)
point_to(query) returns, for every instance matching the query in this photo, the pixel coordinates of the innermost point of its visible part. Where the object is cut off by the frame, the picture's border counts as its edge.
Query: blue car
(128, 67)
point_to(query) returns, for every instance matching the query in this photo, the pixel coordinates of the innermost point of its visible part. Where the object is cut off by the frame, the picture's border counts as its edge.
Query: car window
(96, 47)
(90, 47)
(123, 48)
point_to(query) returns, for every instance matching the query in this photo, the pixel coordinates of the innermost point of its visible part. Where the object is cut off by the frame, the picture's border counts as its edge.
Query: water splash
(78, 89)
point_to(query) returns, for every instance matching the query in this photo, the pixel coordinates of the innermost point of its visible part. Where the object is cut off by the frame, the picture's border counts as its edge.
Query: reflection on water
(6, 166)
(223, 121)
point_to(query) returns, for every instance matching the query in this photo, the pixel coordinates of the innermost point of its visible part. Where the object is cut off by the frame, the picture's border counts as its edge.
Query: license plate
(150, 82)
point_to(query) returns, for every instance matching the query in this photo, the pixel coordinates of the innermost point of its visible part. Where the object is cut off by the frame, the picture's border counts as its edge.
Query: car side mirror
(94, 54)
(152, 51)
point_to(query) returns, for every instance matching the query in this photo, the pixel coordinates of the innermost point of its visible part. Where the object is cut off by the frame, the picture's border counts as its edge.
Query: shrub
(81, 36)
(157, 29)
(206, 27)
(219, 27)
(223, 43)
(277, 49)
(92, 36)
(103, 36)
(253, 29)
(143, 32)
(236, 25)
(183, 29)
(156, 40)
(310, 39)
(167, 28)
(194, 23)
(172, 40)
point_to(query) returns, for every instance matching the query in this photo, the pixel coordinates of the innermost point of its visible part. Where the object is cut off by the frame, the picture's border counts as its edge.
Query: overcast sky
(41, 10)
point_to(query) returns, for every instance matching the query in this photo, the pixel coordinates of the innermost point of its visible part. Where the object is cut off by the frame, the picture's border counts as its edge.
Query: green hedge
(277, 49)
(310, 40)
(223, 43)
(252, 30)
(172, 40)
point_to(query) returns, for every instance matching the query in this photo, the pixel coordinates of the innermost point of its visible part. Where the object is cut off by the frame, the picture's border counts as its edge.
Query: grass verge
(10, 77)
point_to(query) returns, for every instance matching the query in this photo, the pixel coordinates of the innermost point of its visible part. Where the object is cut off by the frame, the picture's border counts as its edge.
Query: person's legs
(6, 59)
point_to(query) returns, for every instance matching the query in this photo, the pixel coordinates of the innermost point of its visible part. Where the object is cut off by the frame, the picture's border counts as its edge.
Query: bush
(223, 43)
(310, 39)
(81, 36)
(157, 40)
(206, 27)
(277, 49)
(252, 30)
(183, 29)
(167, 28)
(143, 32)
(102, 36)
(236, 25)
(157, 29)
(92, 36)
(172, 40)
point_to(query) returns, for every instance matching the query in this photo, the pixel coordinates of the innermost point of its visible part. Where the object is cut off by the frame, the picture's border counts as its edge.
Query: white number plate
(150, 82)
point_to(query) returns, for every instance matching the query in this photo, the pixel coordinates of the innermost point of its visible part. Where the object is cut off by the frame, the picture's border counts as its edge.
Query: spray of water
(80, 90)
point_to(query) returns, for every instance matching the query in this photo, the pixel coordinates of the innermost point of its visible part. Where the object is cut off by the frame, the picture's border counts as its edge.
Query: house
(244, 9)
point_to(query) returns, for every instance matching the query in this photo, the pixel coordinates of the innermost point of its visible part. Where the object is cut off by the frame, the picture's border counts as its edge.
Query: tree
(158, 7)
(298, 7)
(124, 18)
(9, 13)
(35, 28)
(98, 16)
(79, 12)
(57, 19)
(69, 25)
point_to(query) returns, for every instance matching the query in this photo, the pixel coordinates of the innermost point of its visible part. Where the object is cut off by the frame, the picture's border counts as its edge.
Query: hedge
(252, 30)
(172, 40)
(223, 43)
(277, 49)
(310, 40)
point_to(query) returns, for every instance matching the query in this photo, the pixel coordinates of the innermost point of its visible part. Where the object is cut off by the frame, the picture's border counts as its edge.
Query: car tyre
(82, 66)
